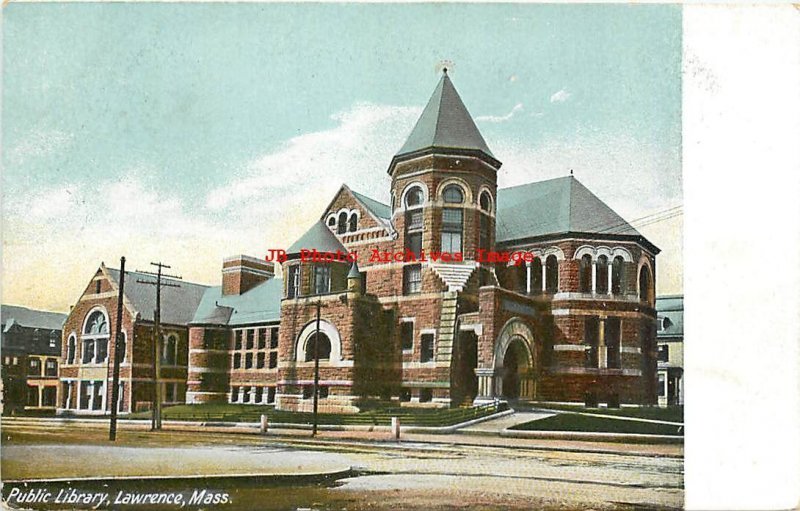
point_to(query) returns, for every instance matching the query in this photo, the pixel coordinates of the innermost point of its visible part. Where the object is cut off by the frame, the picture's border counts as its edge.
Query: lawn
(670, 414)
(380, 415)
(587, 423)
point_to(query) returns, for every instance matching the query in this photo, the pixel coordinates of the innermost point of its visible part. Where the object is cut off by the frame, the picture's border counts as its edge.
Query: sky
(187, 133)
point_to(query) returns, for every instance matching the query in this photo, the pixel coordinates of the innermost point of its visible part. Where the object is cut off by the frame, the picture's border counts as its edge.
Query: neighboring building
(576, 323)
(31, 349)
(88, 343)
(670, 349)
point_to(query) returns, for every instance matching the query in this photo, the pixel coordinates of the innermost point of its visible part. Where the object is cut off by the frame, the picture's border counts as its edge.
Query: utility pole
(112, 430)
(316, 371)
(155, 422)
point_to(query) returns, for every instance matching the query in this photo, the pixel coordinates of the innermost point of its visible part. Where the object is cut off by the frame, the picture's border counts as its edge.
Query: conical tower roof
(445, 126)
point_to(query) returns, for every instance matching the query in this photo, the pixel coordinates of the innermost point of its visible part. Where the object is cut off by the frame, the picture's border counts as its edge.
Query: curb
(628, 438)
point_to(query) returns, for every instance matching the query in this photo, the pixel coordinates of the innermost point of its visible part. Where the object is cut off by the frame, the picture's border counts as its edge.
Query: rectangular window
(259, 394)
(662, 384)
(262, 338)
(237, 360)
(413, 234)
(308, 391)
(612, 338)
(245, 394)
(170, 392)
(273, 338)
(248, 361)
(425, 395)
(407, 335)
(483, 236)
(322, 279)
(102, 351)
(237, 345)
(426, 348)
(270, 395)
(591, 338)
(88, 352)
(97, 287)
(34, 367)
(260, 360)
(234, 394)
(53, 341)
(33, 396)
(51, 367)
(251, 339)
(663, 353)
(323, 391)
(412, 279)
(86, 395)
(49, 396)
(97, 397)
(452, 227)
(273, 359)
(293, 284)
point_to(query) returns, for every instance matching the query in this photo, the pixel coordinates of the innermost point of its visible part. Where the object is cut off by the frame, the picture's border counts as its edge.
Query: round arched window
(324, 348)
(414, 197)
(485, 202)
(453, 194)
(96, 325)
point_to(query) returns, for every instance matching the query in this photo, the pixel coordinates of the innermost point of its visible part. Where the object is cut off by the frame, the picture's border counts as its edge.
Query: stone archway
(514, 362)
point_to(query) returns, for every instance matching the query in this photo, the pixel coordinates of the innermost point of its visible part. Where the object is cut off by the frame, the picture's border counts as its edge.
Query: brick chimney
(241, 273)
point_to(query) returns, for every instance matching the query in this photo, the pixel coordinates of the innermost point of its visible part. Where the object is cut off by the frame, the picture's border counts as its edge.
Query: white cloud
(560, 96)
(38, 143)
(500, 118)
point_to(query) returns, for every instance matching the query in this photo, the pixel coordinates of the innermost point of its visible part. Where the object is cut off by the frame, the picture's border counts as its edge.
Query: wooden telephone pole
(155, 422)
(118, 357)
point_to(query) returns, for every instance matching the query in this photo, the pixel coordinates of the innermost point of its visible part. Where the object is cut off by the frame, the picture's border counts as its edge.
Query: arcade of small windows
(255, 348)
(253, 394)
(601, 276)
(344, 222)
(537, 278)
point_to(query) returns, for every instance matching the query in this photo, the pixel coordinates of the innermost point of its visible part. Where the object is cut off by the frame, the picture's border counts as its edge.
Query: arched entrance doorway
(514, 362)
(516, 370)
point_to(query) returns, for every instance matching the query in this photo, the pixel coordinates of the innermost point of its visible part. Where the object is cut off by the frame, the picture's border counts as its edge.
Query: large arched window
(536, 276)
(585, 277)
(644, 284)
(616, 276)
(324, 347)
(453, 194)
(601, 275)
(341, 226)
(96, 324)
(551, 277)
(353, 222)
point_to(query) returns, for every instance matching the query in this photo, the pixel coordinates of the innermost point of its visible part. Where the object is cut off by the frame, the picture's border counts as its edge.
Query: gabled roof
(31, 318)
(445, 124)
(318, 237)
(261, 304)
(378, 209)
(556, 206)
(178, 304)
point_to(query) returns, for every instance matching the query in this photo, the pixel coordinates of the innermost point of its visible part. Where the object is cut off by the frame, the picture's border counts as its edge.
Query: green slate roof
(445, 123)
(319, 237)
(561, 205)
(261, 304)
(31, 318)
(177, 303)
(378, 209)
